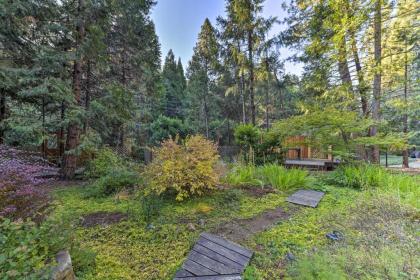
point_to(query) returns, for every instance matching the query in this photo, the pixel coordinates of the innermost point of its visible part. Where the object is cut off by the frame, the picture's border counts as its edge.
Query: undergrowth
(270, 174)
(378, 225)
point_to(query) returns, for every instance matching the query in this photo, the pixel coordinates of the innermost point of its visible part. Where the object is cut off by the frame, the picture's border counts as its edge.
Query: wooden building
(301, 154)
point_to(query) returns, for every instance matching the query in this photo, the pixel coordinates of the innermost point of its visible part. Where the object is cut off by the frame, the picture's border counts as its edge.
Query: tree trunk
(376, 78)
(228, 131)
(362, 84)
(281, 99)
(343, 66)
(2, 114)
(267, 120)
(87, 93)
(206, 117)
(405, 116)
(251, 75)
(244, 119)
(206, 109)
(240, 84)
(44, 139)
(362, 88)
(61, 133)
(73, 130)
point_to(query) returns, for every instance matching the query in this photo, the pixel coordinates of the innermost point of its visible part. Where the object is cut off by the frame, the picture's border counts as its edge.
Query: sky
(178, 23)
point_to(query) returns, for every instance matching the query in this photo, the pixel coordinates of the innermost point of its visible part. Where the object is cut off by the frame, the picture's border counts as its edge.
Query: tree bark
(61, 141)
(244, 119)
(206, 109)
(2, 114)
(267, 119)
(343, 66)
(206, 117)
(44, 136)
(87, 92)
(73, 130)
(405, 116)
(376, 78)
(362, 84)
(240, 85)
(228, 131)
(281, 99)
(251, 75)
(361, 88)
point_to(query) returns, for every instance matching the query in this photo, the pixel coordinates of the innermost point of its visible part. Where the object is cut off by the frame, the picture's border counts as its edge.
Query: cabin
(300, 154)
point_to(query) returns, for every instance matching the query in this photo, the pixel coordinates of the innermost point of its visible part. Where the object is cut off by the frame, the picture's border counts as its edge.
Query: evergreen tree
(202, 71)
(174, 84)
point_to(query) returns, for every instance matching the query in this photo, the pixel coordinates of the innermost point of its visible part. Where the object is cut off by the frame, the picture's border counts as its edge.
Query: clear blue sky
(178, 23)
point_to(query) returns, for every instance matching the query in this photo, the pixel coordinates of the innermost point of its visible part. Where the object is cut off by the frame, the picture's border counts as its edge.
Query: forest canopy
(79, 75)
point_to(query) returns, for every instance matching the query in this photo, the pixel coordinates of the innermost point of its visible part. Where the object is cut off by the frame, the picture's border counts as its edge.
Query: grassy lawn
(380, 229)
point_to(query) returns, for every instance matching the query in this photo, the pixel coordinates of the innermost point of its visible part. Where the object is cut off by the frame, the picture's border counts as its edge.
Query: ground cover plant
(151, 247)
(379, 243)
(296, 248)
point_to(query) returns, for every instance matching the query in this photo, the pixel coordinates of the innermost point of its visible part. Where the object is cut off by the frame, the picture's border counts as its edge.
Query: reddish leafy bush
(20, 180)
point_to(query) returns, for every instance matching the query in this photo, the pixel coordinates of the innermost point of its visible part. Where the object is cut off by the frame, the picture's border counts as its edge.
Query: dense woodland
(78, 75)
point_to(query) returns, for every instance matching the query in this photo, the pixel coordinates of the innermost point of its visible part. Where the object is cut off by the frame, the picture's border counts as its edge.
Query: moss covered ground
(380, 229)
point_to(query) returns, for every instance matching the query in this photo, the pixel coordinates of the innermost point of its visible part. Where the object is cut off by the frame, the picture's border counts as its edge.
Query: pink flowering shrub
(20, 180)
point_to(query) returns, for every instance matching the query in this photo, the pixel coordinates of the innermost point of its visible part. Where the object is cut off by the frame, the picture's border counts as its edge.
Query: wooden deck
(214, 258)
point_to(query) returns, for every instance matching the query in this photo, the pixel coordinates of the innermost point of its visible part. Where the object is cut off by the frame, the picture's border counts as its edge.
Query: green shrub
(269, 149)
(27, 250)
(247, 137)
(165, 127)
(281, 178)
(362, 176)
(184, 169)
(104, 163)
(114, 182)
(259, 147)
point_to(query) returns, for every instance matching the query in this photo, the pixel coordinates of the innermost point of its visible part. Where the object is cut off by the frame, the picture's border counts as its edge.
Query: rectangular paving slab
(214, 258)
(306, 197)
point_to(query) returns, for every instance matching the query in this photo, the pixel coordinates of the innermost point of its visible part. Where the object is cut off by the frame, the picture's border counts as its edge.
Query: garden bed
(139, 238)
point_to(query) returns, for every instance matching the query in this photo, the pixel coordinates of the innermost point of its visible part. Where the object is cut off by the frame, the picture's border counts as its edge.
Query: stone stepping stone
(306, 197)
(214, 258)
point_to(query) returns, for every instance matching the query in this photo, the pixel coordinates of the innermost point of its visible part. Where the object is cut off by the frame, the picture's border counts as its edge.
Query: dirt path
(242, 229)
